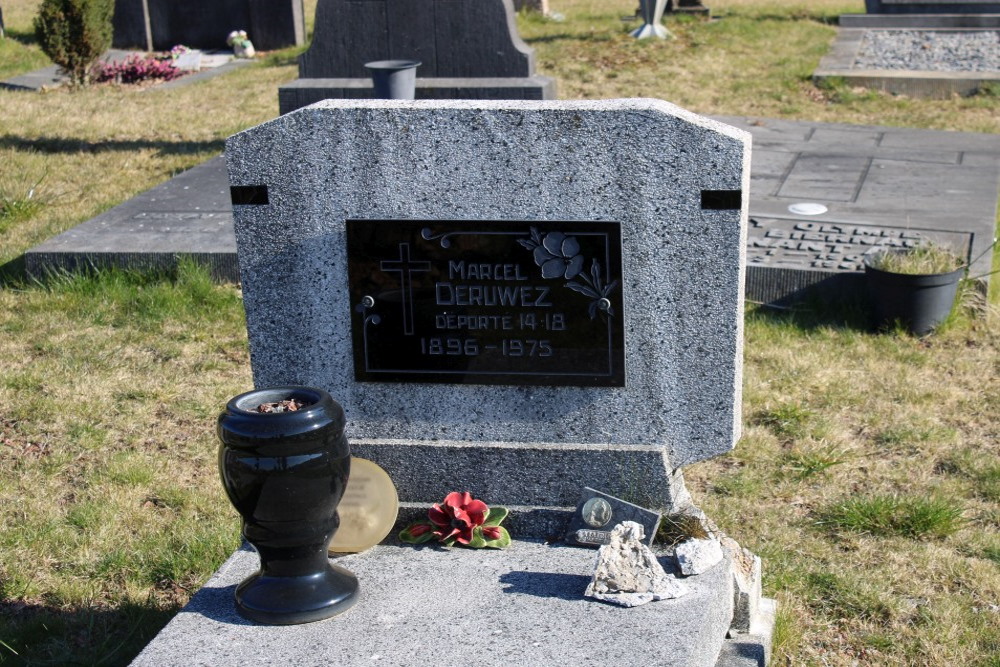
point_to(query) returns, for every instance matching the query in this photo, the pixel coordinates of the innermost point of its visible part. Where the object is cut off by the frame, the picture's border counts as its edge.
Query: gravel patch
(930, 50)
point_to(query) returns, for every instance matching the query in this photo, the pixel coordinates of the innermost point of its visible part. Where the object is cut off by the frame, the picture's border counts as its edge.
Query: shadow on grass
(791, 17)
(12, 273)
(72, 145)
(820, 310)
(33, 633)
(571, 37)
(25, 37)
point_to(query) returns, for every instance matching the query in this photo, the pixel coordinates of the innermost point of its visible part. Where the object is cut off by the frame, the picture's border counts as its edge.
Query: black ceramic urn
(285, 472)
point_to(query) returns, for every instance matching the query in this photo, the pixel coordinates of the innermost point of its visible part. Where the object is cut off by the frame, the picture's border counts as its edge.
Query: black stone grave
(468, 49)
(158, 25)
(932, 6)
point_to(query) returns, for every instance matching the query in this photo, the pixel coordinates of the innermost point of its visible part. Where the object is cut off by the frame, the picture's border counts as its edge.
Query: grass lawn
(868, 477)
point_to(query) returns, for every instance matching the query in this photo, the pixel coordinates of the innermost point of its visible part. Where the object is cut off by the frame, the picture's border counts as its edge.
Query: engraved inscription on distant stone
(832, 246)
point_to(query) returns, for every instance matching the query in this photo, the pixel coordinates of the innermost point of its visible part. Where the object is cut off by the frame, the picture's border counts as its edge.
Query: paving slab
(841, 62)
(523, 605)
(881, 185)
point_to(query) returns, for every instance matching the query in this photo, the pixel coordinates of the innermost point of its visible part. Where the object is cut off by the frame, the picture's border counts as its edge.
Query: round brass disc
(368, 509)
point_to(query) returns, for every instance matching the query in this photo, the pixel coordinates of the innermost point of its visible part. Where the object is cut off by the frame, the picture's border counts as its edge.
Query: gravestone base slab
(521, 605)
(303, 92)
(541, 481)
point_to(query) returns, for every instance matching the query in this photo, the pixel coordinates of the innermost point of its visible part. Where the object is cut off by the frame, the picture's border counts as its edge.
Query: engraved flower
(457, 517)
(559, 255)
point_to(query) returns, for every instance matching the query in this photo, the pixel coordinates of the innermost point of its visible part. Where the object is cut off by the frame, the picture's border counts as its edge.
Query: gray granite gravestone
(468, 49)
(514, 336)
(932, 6)
(158, 25)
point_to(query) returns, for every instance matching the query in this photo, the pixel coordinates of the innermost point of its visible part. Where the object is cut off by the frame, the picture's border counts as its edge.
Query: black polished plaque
(487, 302)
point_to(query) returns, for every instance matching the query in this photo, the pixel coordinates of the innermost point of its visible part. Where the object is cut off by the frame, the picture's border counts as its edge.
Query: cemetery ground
(868, 476)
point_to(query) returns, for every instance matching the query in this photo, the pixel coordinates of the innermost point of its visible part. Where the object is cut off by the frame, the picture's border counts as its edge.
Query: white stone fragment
(697, 556)
(627, 572)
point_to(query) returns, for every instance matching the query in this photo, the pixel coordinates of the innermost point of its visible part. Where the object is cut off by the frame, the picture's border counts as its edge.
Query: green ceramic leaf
(496, 516)
(407, 536)
(477, 541)
(501, 542)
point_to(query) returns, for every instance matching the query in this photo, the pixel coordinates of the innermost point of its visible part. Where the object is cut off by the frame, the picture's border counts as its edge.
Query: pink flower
(457, 517)
(419, 529)
(491, 532)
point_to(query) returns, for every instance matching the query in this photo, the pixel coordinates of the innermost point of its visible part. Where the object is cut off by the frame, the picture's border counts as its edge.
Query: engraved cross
(405, 267)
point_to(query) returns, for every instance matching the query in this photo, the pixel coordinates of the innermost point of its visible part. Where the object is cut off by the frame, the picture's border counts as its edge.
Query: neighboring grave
(468, 49)
(513, 336)
(932, 6)
(158, 25)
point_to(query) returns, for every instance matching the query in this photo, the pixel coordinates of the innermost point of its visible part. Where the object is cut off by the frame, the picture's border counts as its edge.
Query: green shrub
(74, 33)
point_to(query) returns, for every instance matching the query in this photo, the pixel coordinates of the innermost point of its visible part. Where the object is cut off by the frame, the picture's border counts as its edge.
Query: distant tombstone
(932, 6)
(158, 25)
(468, 49)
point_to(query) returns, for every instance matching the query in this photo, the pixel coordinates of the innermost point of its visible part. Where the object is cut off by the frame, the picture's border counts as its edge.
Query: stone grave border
(838, 63)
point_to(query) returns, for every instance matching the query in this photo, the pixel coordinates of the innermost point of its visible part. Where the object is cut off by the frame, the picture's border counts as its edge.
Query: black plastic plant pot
(918, 302)
(285, 472)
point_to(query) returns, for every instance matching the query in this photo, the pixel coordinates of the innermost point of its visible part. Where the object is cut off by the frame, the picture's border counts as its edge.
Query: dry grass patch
(108, 396)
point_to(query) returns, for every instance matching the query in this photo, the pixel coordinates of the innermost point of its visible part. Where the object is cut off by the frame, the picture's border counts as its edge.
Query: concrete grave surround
(643, 163)
(416, 608)
(468, 49)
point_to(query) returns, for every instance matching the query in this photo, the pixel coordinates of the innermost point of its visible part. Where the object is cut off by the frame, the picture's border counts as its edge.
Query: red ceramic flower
(457, 517)
(492, 532)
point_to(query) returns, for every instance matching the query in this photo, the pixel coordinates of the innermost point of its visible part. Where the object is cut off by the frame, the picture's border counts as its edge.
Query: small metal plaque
(598, 513)
(487, 302)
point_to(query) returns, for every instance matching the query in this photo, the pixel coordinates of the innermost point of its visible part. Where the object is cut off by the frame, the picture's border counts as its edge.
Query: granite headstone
(567, 391)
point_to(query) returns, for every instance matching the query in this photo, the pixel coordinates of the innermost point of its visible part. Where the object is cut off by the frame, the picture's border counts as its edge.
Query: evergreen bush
(74, 34)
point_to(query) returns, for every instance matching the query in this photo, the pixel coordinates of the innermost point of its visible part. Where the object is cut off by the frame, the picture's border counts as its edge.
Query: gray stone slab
(825, 177)
(522, 605)
(190, 214)
(478, 161)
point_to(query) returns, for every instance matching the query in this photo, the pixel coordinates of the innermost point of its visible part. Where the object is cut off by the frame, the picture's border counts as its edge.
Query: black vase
(918, 302)
(285, 472)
